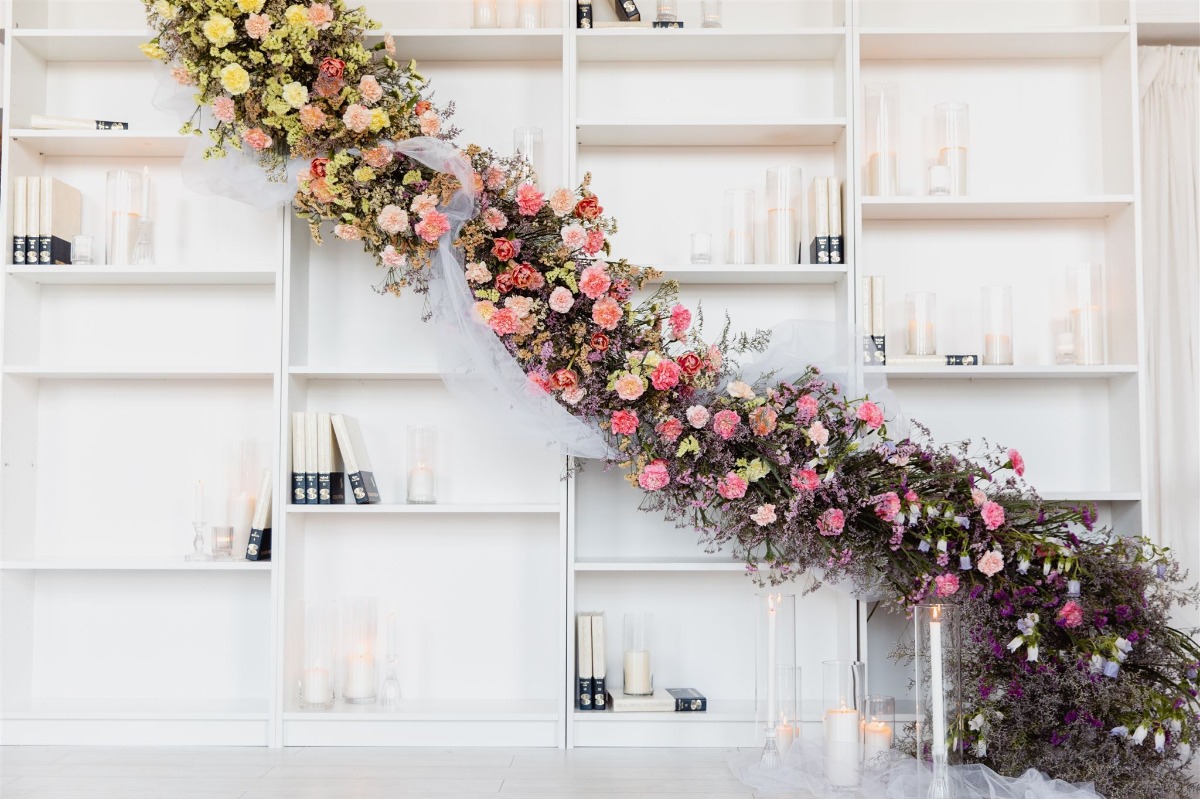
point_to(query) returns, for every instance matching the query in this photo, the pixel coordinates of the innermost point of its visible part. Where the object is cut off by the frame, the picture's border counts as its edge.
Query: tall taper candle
(937, 687)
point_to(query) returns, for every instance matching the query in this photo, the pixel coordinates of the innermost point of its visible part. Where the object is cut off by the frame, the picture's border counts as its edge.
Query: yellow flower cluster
(235, 79)
(250, 6)
(219, 30)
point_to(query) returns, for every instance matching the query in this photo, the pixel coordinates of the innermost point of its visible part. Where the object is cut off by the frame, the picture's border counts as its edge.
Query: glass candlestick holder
(879, 730)
(710, 13)
(1085, 315)
(701, 252)
(739, 221)
(81, 251)
(843, 717)
(422, 464)
(997, 326)
(668, 10)
(527, 143)
(785, 192)
(953, 136)
(389, 695)
(881, 137)
(143, 247)
(360, 628)
(638, 678)
(776, 693)
(921, 308)
(199, 549)
(319, 655)
(937, 644)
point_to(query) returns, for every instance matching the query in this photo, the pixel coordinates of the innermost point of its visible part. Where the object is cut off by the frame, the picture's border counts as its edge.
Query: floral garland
(1077, 669)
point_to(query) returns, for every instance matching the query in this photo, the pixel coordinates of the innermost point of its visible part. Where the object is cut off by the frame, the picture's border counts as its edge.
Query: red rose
(333, 67)
(599, 342)
(564, 379)
(504, 249)
(422, 107)
(588, 208)
(525, 277)
(690, 363)
(318, 167)
(504, 282)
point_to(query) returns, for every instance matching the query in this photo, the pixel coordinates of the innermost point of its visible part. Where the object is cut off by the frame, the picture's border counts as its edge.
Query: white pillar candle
(881, 174)
(637, 672)
(783, 236)
(937, 682)
(922, 338)
(877, 738)
(315, 685)
(420, 484)
(785, 734)
(843, 747)
(997, 350)
(771, 661)
(359, 682)
(485, 15)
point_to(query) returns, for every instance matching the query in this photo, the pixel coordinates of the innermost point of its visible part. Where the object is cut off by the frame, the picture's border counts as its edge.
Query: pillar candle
(637, 672)
(843, 748)
(783, 236)
(937, 683)
(359, 682)
(785, 734)
(420, 484)
(922, 339)
(997, 349)
(877, 738)
(315, 686)
(881, 174)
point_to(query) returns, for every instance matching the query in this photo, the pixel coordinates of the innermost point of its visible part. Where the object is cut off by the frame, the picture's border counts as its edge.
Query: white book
(599, 666)
(20, 217)
(33, 213)
(866, 320)
(262, 504)
(44, 122)
(329, 478)
(658, 702)
(835, 206)
(298, 494)
(354, 455)
(878, 322)
(820, 207)
(61, 206)
(583, 653)
(310, 457)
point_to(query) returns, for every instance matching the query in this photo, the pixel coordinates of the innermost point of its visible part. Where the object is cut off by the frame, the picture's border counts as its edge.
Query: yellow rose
(235, 79)
(152, 50)
(165, 10)
(250, 6)
(295, 94)
(219, 30)
(364, 174)
(296, 16)
(379, 120)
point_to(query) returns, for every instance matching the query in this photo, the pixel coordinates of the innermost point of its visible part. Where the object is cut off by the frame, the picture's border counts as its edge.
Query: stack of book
(45, 220)
(874, 329)
(259, 547)
(320, 470)
(825, 204)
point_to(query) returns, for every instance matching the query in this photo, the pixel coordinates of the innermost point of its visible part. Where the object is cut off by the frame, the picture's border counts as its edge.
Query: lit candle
(315, 686)
(359, 682)
(420, 484)
(637, 672)
(997, 349)
(881, 174)
(198, 502)
(843, 747)
(784, 735)
(485, 14)
(938, 686)
(877, 738)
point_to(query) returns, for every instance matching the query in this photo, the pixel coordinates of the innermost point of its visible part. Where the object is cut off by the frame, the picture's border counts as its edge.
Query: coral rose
(654, 475)
(607, 313)
(333, 67)
(504, 249)
(564, 379)
(690, 363)
(588, 208)
(624, 422)
(732, 486)
(725, 423)
(598, 342)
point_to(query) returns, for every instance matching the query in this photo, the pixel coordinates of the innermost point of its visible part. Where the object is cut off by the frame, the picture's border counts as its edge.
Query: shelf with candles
(1056, 372)
(108, 143)
(420, 509)
(475, 44)
(796, 132)
(99, 275)
(711, 44)
(978, 207)
(753, 274)
(972, 44)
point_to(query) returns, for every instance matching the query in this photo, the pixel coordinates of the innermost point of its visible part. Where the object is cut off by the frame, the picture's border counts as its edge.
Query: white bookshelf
(120, 383)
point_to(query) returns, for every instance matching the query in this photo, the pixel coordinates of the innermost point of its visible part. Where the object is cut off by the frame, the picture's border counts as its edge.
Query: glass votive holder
(527, 143)
(785, 187)
(879, 729)
(81, 251)
(529, 14)
(484, 14)
(1085, 315)
(739, 221)
(787, 711)
(952, 143)
(124, 192)
(319, 654)
(701, 252)
(668, 10)
(638, 678)
(422, 465)
(997, 326)
(921, 308)
(222, 542)
(843, 716)
(710, 13)
(939, 180)
(360, 627)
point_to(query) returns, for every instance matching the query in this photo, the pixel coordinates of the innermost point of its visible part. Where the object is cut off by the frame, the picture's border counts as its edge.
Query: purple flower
(1071, 717)
(1058, 738)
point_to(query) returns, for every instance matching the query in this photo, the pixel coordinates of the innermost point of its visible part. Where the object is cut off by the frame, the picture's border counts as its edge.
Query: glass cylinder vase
(668, 10)
(318, 655)
(484, 14)
(739, 222)
(953, 136)
(422, 464)
(529, 14)
(1085, 313)
(638, 676)
(776, 687)
(122, 213)
(921, 312)
(936, 649)
(997, 326)
(527, 143)
(784, 203)
(710, 13)
(360, 628)
(879, 729)
(844, 682)
(881, 137)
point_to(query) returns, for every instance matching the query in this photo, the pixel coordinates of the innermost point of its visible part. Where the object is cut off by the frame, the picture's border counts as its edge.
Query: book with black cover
(627, 10)
(354, 455)
(298, 494)
(599, 667)
(259, 547)
(583, 659)
(33, 215)
(20, 219)
(310, 457)
(688, 700)
(331, 488)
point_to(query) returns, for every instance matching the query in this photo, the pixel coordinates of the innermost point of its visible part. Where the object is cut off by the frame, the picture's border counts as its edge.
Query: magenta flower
(732, 486)
(832, 522)
(946, 584)
(993, 515)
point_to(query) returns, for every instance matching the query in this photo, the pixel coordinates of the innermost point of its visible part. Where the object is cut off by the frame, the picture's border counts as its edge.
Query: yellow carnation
(379, 120)
(219, 30)
(165, 10)
(152, 50)
(250, 6)
(364, 174)
(295, 94)
(296, 16)
(235, 79)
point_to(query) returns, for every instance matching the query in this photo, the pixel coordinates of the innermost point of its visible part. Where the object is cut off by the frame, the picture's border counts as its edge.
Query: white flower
(1123, 649)
(740, 390)
(1120, 732)
(1023, 565)
(976, 723)
(981, 748)
(1160, 740)
(1046, 568)
(1140, 734)
(1016, 643)
(1097, 664)
(1032, 654)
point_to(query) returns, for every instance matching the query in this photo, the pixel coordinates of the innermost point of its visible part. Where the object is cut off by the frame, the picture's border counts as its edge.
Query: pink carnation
(732, 486)
(993, 515)
(806, 408)
(870, 413)
(494, 219)
(595, 241)
(991, 563)
(529, 199)
(887, 506)
(562, 202)
(223, 109)
(377, 157)
(1018, 463)
(697, 416)
(594, 281)
(478, 273)
(370, 89)
(665, 375)
(561, 300)
(392, 219)
(1070, 614)
(681, 318)
(832, 522)
(607, 313)
(764, 515)
(670, 429)
(654, 475)
(505, 321)
(347, 232)
(357, 117)
(978, 497)
(574, 237)
(182, 76)
(625, 422)
(629, 387)
(726, 422)
(805, 480)
(312, 118)
(946, 584)
(431, 123)
(911, 495)
(320, 15)
(818, 433)
(391, 258)
(258, 26)
(573, 395)
(432, 226)
(494, 178)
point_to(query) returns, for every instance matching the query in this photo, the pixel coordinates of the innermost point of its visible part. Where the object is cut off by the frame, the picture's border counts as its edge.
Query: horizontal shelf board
(137, 709)
(658, 565)
(743, 133)
(462, 509)
(919, 207)
(133, 564)
(721, 711)
(110, 143)
(1091, 496)
(435, 710)
(1002, 372)
(361, 373)
(764, 274)
(99, 275)
(892, 44)
(710, 44)
(163, 373)
(51, 44)
(466, 44)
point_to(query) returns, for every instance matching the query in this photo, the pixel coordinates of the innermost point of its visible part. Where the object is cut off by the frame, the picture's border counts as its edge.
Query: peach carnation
(182, 76)
(764, 515)
(478, 273)
(422, 204)
(504, 321)
(991, 563)
(629, 386)
(391, 258)
(562, 202)
(370, 89)
(313, 118)
(257, 138)
(347, 232)
(595, 280)
(431, 123)
(223, 109)
(432, 226)
(377, 157)
(574, 237)
(494, 178)
(484, 309)
(320, 15)
(607, 313)
(392, 219)
(561, 300)
(573, 395)
(357, 117)
(697, 416)
(494, 219)
(818, 434)
(522, 306)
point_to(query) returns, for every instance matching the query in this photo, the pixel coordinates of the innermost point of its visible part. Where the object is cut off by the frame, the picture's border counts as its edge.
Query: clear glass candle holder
(921, 311)
(939, 180)
(318, 655)
(776, 689)
(881, 136)
(360, 628)
(937, 647)
(739, 223)
(124, 193)
(997, 326)
(879, 730)
(422, 464)
(222, 542)
(484, 15)
(1086, 313)
(638, 678)
(710, 13)
(668, 10)
(701, 250)
(844, 682)
(953, 137)
(527, 143)
(81, 251)
(529, 14)
(785, 193)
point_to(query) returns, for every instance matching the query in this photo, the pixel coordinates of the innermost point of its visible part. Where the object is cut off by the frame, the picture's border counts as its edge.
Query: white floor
(359, 773)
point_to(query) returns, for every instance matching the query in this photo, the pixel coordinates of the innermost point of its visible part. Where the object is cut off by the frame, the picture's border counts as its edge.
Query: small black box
(668, 23)
(962, 360)
(874, 351)
(818, 251)
(688, 700)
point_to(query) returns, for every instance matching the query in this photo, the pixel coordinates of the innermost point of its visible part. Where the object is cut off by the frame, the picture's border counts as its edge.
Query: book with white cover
(61, 206)
(298, 494)
(310, 457)
(583, 654)
(599, 667)
(259, 547)
(20, 219)
(658, 702)
(33, 214)
(354, 456)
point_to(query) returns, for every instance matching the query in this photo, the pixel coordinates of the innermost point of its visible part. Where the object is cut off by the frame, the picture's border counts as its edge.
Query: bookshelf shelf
(892, 44)
(133, 565)
(1104, 372)
(424, 510)
(658, 565)
(723, 133)
(50, 44)
(756, 275)
(64, 275)
(360, 373)
(1092, 496)
(458, 44)
(701, 44)
(161, 373)
(435, 710)
(138, 710)
(107, 143)
(978, 208)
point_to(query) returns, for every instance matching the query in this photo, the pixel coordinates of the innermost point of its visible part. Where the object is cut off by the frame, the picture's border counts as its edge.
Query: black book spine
(598, 693)
(32, 246)
(627, 10)
(310, 488)
(880, 343)
(362, 485)
(298, 494)
(962, 360)
(323, 488)
(835, 249)
(586, 686)
(583, 14)
(818, 251)
(60, 250)
(691, 704)
(337, 488)
(44, 249)
(668, 23)
(259, 547)
(104, 124)
(18, 249)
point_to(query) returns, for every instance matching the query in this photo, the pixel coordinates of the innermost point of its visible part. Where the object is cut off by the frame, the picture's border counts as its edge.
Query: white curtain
(1169, 80)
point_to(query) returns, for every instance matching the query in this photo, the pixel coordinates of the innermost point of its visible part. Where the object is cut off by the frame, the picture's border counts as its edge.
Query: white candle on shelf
(997, 350)
(843, 747)
(359, 682)
(529, 14)
(637, 672)
(785, 734)
(315, 686)
(485, 14)
(420, 484)
(198, 502)
(937, 682)
(881, 174)
(877, 738)
(922, 338)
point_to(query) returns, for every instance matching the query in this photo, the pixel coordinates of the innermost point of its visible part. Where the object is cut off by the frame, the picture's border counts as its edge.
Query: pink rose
(562, 201)
(732, 486)
(377, 157)
(697, 416)
(681, 318)
(370, 89)
(654, 475)
(806, 408)
(607, 313)
(805, 480)
(432, 226)
(870, 413)
(320, 15)
(529, 199)
(818, 434)
(669, 429)
(993, 515)
(629, 387)
(625, 422)
(391, 258)
(1071, 614)
(594, 281)
(1018, 463)
(312, 118)
(505, 322)
(595, 241)
(764, 515)
(392, 219)
(574, 237)
(357, 117)
(991, 563)
(494, 219)
(887, 506)
(431, 123)
(665, 375)
(762, 420)
(832, 522)
(258, 26)
(946, 584)
(561, 300)
(223, 109)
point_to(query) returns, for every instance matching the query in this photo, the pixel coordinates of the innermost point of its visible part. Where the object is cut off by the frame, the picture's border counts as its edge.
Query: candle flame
(935, 613)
